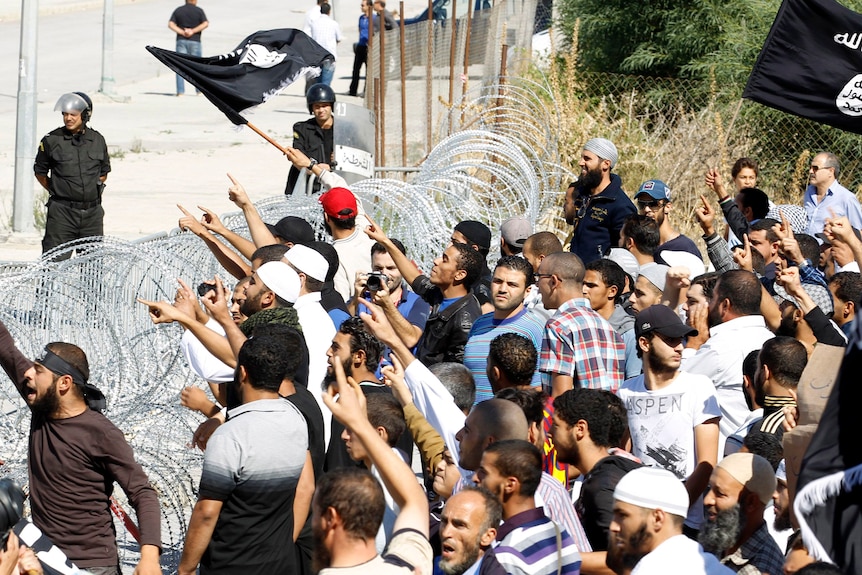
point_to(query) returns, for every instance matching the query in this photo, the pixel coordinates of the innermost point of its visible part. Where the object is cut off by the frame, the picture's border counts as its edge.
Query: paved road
(166, 149)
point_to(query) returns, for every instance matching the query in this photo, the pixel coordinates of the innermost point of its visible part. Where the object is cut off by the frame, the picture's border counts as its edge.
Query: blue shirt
(338, 316)
(484, 330)
(415, 309)
(839, 199)
(363, 31)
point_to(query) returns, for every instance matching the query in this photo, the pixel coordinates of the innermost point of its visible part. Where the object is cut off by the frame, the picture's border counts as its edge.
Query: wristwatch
(311, 163)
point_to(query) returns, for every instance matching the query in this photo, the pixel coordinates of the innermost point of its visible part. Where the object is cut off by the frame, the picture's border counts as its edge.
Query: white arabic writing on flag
(261, 56)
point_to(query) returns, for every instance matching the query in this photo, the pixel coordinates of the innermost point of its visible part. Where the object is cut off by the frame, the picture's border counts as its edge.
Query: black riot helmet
(319, 93)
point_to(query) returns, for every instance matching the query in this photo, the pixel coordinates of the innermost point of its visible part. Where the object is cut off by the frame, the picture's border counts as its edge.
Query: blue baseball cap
(656, 189)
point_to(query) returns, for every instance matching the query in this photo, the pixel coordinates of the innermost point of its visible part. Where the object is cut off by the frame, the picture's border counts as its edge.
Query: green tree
(669, 38)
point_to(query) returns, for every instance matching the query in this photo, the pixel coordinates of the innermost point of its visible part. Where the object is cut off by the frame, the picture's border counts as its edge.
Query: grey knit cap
(604, 149)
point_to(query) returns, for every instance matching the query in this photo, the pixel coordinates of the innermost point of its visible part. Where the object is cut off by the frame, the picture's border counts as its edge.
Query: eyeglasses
(651, 204)
(815, 168)
(537, 277)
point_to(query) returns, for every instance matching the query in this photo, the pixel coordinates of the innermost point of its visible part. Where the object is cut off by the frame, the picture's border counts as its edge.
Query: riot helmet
(319, 93)
(75, 102)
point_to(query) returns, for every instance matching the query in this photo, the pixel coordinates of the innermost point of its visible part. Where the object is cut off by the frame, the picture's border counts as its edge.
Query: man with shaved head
(497, 420)
(536, 248)
(580, 347)
(490, 421)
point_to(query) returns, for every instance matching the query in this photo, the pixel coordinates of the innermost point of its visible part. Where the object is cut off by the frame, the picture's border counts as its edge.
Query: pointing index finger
(785, 224)
(232, 179)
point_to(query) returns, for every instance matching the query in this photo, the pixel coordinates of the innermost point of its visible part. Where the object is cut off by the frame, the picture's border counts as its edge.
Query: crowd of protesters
(621, 407)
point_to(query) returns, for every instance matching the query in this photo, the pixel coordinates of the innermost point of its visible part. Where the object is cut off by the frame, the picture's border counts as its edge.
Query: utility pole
(25, 132)
(107, 85)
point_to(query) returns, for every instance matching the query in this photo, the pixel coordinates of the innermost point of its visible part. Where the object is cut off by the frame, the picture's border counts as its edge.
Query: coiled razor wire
(85, 292)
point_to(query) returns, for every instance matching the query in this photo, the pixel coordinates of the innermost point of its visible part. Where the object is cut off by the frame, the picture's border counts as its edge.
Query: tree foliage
(701, 39)
(669, 38)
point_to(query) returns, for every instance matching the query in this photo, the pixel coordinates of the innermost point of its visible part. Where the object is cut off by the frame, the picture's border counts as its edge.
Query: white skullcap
(604, 149)
(653, 488)
(308, 261)
(753, 472)
(281, 279)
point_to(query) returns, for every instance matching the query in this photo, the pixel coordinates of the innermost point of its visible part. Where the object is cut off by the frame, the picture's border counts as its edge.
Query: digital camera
(376, 281)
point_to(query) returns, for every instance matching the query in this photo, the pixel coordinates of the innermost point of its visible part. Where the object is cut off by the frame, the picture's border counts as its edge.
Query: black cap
(475, 232)
(663, 320)
(293, 229)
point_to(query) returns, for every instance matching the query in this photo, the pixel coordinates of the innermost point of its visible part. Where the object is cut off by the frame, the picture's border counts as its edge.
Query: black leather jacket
(445, 332)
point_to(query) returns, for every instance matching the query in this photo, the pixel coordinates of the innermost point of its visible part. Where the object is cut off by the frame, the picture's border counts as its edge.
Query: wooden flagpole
(266, 137)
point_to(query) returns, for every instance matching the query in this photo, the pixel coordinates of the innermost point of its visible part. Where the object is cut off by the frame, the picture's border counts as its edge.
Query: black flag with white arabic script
(261, 66)
(811, 64)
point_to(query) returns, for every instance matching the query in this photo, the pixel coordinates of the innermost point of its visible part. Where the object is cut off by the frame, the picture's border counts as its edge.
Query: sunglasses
(651, 204)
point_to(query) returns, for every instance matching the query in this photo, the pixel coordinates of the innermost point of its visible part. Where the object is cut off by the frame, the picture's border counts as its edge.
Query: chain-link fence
(428, 67)
(782, 144)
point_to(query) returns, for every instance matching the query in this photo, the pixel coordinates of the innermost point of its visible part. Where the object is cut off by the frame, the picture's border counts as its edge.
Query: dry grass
(670, 143)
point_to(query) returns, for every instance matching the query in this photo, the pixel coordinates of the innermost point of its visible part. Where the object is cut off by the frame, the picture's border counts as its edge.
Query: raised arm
(14, 363)
(227, 258)
(406, 331)
(260, 234)
(841, 229)
(164, 312)
(735, 219)
(405, 266)
(430, 396)
(349, 409)
(676, 286)
(427, 439)
(216, 304)
(716, 246)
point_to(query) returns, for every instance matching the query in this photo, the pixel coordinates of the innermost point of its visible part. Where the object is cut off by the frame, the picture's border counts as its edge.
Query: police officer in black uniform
(72, 164)
(314, 136)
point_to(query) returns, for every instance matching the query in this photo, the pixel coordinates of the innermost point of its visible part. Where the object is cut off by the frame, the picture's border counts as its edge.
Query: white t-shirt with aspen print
(662, 422)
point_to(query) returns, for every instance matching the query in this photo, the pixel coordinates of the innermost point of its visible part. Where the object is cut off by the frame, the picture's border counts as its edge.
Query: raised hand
(349, 407)
(678, 277)
(211, 221)
(236, 193)
(393, 377)
(705, 216)
(743, 257)
(188, 223)
(378, 323)
(374, 231)
(216, 304)
(713, 181)
(163, 312)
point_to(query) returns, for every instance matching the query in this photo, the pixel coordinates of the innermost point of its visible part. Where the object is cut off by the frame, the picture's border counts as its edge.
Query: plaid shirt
(581, 343)
(757, 554)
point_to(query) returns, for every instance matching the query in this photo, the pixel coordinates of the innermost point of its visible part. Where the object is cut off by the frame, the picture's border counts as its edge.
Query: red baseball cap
(339, 203)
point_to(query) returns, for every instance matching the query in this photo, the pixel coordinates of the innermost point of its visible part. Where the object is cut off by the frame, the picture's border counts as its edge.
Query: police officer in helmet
(314, 136)
(72, 164)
